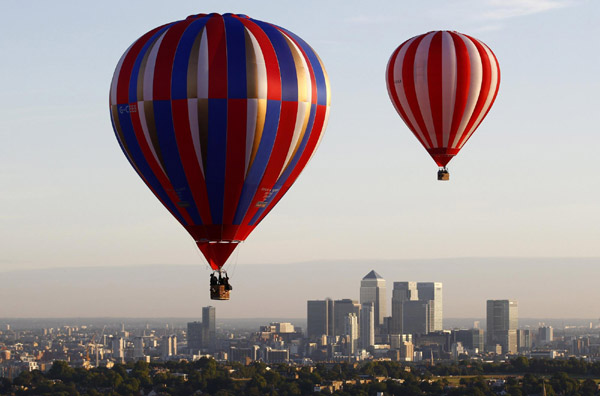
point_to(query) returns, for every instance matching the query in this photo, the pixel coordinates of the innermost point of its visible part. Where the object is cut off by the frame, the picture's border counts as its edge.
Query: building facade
(402, 291)
(502, 324)
(367, 325)
(432, 291)
(373, 290)
(319, 318)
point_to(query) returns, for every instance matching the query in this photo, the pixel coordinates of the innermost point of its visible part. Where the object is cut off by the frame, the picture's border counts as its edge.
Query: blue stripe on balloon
(216, 154)
(139, 163)
(133, 79)
(316, 65)
(261, 160)
(236, 59)
(163, 118)
(287, 67)
(288, 170)
(179, 77)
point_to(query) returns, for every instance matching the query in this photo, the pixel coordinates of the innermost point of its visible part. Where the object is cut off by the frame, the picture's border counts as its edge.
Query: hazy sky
(525, 185)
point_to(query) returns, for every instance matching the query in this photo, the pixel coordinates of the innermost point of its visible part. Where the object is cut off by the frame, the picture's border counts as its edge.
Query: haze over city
(81, 236)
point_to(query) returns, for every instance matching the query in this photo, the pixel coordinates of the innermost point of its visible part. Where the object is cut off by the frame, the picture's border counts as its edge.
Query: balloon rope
(202, 258)
(235, 260)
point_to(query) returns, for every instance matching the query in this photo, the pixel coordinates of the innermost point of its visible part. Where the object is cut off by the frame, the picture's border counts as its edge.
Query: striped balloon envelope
(443, 84)
(219, 114)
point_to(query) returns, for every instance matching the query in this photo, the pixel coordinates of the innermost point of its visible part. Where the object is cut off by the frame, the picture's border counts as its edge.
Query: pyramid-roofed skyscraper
(372, 290)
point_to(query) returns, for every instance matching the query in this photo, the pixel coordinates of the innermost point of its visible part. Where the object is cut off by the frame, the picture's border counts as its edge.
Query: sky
(524, 187)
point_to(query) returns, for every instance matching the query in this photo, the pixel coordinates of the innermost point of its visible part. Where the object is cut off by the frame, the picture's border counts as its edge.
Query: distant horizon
(203, 263)
(540, 285)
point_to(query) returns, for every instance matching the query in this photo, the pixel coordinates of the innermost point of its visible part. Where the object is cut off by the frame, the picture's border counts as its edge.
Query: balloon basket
(443, 174)
(219, 292)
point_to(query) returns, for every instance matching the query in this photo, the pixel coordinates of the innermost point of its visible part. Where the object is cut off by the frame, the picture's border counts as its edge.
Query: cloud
(505, 9)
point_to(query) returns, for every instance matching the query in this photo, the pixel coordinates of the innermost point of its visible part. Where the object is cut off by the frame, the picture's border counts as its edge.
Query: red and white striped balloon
(443, 84)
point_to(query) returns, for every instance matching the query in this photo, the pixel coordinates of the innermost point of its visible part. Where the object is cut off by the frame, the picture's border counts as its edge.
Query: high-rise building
(168, 346)
(502, 324)
(545, 335)
(372, 289)
(209, 325)
(118, 349)
(471, 339)
(194, 336)
(367, 325)
(524, 341)
(319, 318)
(342, 308)
(138, 348)
(416, 317)
(403, 291)
(351, 331)
(432, 291)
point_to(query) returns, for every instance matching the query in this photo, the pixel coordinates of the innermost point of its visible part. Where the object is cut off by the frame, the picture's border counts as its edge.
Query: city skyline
(82, 236)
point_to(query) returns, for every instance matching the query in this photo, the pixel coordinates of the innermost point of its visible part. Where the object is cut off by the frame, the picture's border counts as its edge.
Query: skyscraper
(416, 317)
(502, 323)
(209, 326)
(432, 291)
(341, 309)
(168, 346)
(403, 291)
(372, 289)
(194, 336)
(319, 318)
(367, 325)
(351, 332)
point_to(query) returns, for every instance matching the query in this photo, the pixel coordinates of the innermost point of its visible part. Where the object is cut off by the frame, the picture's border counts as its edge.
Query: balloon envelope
(443, 84)
(219, 114)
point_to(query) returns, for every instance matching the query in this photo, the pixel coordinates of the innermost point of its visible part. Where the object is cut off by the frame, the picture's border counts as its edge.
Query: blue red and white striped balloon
(219, 114)
(443, 84)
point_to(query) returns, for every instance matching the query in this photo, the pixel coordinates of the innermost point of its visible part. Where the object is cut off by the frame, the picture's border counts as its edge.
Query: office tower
(367, 325)
(209, 334)
(432, 291)
(341, 309)
(524, 341)
(319, 318)
(118, 349)
(502, 323)
(403, 291)
(351, 331)
(471, 339)
(138, 348)
(416, 316)
(194, 336)
(372, 289)
(545, 335)
(168, 346)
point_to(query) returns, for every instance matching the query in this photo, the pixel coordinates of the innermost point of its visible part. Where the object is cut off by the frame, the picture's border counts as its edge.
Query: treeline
(521, 364)
(208, 377)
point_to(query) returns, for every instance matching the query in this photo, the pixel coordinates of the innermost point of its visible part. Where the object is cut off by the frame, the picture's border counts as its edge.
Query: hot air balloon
(443, 84)
(219, 114)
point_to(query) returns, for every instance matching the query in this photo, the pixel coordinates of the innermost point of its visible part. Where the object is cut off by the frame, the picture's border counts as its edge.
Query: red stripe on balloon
(435, 87)
(270, 57)
(217, 57)
(127, 66)
(408, 78)
(155, 167)
(309, 149)
(163, 68)
(281, 146)
(463, 80)
(189, 159)
(235, 158)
